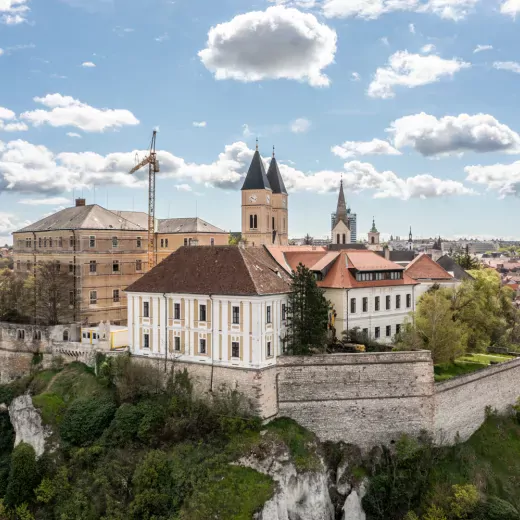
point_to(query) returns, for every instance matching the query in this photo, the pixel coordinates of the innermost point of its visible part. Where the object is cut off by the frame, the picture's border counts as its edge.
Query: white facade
(382, 324)
(243, 331)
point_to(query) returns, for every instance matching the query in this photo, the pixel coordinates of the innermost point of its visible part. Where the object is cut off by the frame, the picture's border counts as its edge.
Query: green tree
(23, 476)
(466, 261)
(307, 314)
(234, 239)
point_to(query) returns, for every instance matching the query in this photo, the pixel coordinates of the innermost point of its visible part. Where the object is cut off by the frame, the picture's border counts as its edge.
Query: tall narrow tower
(410, 240)
(280, 214)
(341, 231)
(257, 211)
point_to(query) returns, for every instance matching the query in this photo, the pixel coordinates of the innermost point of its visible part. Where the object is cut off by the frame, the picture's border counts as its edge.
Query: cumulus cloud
(411, 70)
(74, 134)
(9, 123)
(199, 124)
(482, 48)
(273, 44)
(411, 27)
(50, 201)
(512, 66)
(355, 76)
(432, 136)
(27, 168)
(426, 49)
(356, 148)
(67, 111)
(88, 64)
(503, 178)
(8, 224)
(13, 12)
(300, 126)
(372, 9)
(510, 7)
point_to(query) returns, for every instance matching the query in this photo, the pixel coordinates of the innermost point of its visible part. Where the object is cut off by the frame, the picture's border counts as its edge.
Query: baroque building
(264, 204)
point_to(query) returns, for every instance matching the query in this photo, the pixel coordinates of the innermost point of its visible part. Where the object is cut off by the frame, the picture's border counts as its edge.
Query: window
(398, 301)
(65, 335)
(269, 351)
(344, 238)
(353, 305)
(92, 241)
(202, 313)
(185, 241)
(284, 312)
(146, 338)
(378, 332)
(20, 334)
(138, 265)
(93, 266)
(268, 314)
(50, 241)
(40, 242)
(202, 346)
(71, 241)
(376, 303)
(273, 223)
(71, 297)
(162, 242)
(115, 295)
(388, 331)
(365, 304)
(28, 265)
(115, 242)
(165, 242)
(37, 335)
(115, 266)
(211, 241)
(139, 242)
(71, 268)
(44, 241)
(176, 311)
(253, 222)
(28, 242)
(373, 240)
(146, 309)
(388, 303)
(398, 328)
(177, 343)
(337, 239)
(408, 300)
(93, 297)
(236, 315)
(235, 349)
(60, 242)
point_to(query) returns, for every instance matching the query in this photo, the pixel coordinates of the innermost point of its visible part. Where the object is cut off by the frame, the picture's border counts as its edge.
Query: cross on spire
(257, 144)
(273, 150)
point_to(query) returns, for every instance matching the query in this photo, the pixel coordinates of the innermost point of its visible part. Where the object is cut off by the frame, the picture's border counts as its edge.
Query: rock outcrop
(353, 509)
(27, 424)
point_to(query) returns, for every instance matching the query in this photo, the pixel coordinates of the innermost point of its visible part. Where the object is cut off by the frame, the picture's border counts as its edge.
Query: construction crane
(153, 168)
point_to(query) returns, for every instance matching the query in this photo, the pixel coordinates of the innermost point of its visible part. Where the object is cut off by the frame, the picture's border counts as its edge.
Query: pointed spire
(341, 211)
(374, 229)
(256, 178)
(273, 151)
(257, 144)
(275, 178)
(410, 239)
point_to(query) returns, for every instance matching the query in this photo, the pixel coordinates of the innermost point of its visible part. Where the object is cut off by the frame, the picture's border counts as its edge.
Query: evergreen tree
(307, 314)
(23, 476)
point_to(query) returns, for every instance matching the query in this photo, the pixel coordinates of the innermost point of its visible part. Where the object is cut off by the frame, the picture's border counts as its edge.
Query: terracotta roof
(221, 270)
(187, 225)
(424, 268)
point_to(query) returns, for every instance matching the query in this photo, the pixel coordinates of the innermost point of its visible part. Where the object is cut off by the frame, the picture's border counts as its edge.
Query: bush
(125, 425)
(464, 500)
(498, 509)
(86, 419)
(23, 476)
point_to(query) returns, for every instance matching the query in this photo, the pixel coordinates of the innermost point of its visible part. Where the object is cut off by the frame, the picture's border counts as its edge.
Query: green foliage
(307, 314)
(86, 419)
(466, 261)
(23, 476)
(466, 364)
(41, 380)
(464, 501)
(6, 447)
(51, 407)
(23, 513)
(435, 513)
(498, 509)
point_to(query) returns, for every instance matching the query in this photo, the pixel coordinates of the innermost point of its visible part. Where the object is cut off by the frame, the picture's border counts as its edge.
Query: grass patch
(230, 492)
(51, 407)
(76, 380)
(467, 364)
(301, 442)
(41, 380)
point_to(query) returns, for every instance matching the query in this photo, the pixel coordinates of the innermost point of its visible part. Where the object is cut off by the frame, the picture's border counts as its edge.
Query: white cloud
(1, 52)
(122, 31)
(512, 66)
(67, 111)
(384, 41)
(8, 224)
(273, 44)
(356, 76)
(510, 7)
(27, 168)
(432, 136)
(503, 178)
(372, 9)
(246, 131)
(162, 38)
(300, 126)
(45, 202)
(183, 187)
(357, 148)
(304, 4)
(411, 28)
(482, 48)
(88, 64)
(426, 49)
(199, 124)
(411, 70)
(13, 12)
(12, 125)
(74, 134)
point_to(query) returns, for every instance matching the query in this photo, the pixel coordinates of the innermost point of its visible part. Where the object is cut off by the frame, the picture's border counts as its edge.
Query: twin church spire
(258, 179)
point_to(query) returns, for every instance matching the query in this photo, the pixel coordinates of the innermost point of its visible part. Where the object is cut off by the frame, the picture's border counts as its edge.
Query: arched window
(344, 238)
(255, 221)
(338, 241)
(251, 221)
(65, 335)
(373, 240)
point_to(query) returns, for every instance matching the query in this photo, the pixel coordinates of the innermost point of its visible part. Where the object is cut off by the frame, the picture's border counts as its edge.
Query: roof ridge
(259, 261)
(118, 216)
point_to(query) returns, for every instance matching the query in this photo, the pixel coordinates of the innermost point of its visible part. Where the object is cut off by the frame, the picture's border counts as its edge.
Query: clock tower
(280, 220)
(257, 209)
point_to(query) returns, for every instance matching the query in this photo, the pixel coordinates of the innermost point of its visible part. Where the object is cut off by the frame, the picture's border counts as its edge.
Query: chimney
(80, 202)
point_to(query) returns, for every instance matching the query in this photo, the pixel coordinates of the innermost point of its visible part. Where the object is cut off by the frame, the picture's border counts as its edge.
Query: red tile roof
(424, 268)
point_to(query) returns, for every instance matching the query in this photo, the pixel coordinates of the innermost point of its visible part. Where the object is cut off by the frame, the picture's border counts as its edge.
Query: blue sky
(417, 109)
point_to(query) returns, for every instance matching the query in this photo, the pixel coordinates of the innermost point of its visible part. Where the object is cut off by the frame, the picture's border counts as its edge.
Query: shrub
(435, 513)
(23, 476)
(464, 500)
(86, 419)
(498, 509)
(125, 424)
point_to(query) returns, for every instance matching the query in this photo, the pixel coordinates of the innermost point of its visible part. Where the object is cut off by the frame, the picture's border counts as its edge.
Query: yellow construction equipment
(153, 168)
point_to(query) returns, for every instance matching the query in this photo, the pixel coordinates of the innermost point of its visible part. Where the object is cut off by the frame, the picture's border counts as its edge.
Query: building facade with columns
(221, 306)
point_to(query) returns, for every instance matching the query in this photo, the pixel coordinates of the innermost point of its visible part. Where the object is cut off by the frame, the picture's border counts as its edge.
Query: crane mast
(153, 168)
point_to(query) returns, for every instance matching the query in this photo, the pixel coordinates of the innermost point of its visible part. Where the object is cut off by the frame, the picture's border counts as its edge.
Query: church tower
(410, 240)
(373, 235)
(280, 214)
(257, 212)
(341, 230)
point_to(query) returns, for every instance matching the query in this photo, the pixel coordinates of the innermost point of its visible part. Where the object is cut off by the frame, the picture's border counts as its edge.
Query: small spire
(341, 180)
(257, 144)
(273, 151)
